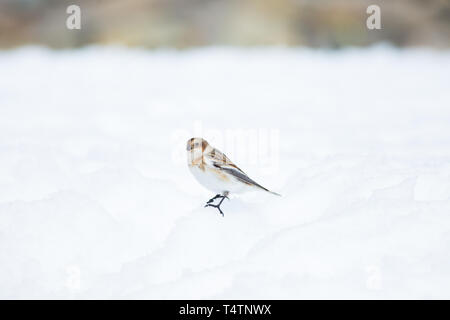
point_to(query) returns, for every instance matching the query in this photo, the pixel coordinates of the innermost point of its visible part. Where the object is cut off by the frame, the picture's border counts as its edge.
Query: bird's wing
(241, 176)
(214, 157)
(221, 161)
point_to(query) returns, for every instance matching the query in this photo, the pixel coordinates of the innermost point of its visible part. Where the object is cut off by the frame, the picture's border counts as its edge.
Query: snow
(96, 200)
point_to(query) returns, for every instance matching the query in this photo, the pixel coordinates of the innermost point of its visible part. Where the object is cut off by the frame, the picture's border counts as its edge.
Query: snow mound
(97, 202)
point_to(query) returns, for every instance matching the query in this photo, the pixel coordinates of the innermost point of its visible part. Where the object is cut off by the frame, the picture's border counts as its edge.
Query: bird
(217, 173)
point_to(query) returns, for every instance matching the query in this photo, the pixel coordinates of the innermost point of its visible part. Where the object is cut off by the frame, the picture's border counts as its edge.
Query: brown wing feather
(221, 161)
(221, 158)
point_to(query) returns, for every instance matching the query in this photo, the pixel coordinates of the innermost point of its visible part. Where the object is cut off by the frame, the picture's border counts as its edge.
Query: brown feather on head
(196, 148)
(196, 143)
(204, 145)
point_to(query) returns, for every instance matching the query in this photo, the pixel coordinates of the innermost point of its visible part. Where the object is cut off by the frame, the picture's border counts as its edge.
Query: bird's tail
(274, 193)
(265, 189)
(244, 178)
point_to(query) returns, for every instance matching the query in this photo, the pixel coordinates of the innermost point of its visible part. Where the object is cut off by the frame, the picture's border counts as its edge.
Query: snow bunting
(216, 172)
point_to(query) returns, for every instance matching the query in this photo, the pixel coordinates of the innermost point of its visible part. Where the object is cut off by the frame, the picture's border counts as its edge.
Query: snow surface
(96, 200)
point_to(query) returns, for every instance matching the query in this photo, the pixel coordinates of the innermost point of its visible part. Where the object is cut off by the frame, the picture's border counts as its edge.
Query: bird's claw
(217, 206)
(214, 198)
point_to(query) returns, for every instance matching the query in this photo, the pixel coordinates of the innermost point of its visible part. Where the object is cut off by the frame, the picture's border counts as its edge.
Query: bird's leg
(208, 204)
(214, 198)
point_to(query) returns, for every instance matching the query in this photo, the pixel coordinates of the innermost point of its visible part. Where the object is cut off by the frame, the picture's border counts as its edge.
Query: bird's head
(198, 144)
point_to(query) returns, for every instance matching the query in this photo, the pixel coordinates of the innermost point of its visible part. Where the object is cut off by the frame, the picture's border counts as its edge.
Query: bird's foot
(217, 206)
(214, 198)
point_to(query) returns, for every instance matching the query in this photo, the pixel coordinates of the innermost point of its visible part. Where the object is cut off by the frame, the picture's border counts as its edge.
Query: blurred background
(181, 23)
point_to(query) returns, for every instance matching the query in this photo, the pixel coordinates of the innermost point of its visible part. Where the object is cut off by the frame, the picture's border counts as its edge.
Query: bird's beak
(188, 147)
